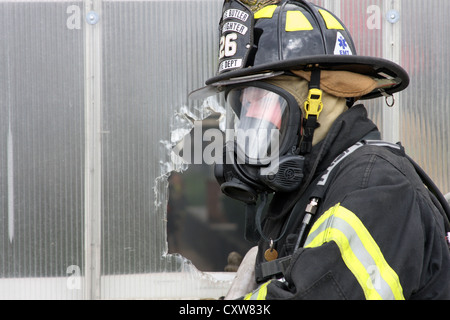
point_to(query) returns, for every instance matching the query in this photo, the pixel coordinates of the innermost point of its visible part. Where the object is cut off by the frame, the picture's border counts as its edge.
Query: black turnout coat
(377, 233)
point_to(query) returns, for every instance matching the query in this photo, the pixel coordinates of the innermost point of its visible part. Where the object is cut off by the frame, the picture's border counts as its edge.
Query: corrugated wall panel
(42, 145)
(154, 53)
(425, 113)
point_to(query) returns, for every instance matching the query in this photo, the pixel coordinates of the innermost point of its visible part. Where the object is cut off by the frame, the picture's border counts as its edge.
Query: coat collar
(349, 128)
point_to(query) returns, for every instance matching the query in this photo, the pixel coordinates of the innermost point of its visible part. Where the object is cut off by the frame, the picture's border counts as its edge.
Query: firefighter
(336, 212)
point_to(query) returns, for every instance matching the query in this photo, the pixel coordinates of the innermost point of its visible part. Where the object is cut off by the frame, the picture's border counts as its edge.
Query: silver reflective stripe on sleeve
(359, 252)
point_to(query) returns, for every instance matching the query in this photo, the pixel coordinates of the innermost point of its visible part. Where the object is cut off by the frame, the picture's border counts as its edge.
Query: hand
(245, 277)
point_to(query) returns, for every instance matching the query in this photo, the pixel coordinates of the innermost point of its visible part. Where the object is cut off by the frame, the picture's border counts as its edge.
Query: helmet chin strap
(313, 107)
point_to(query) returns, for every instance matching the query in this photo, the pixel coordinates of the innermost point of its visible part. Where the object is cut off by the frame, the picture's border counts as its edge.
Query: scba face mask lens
(257, 123)
(263, 128)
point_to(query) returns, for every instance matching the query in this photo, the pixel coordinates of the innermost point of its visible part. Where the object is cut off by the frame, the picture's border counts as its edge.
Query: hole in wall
(203, 225)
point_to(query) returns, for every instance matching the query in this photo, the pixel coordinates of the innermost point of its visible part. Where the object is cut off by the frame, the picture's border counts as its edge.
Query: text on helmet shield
(235, 14)
(234, 26)
(236, 36)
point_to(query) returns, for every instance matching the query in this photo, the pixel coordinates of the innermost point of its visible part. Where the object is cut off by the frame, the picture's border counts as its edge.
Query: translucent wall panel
(425, 109)
(410, 33)
(42, 149)
(150, 62)
(154, 53)
(365, 19)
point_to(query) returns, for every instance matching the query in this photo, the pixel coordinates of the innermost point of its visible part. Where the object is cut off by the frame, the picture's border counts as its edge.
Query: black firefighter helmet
(261, 39)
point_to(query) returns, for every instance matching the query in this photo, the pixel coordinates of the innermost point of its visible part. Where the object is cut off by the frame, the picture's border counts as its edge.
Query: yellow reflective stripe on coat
(359, 251)
(258, 294)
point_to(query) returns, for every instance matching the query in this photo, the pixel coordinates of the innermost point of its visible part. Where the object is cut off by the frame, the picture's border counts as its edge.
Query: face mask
(262, 150)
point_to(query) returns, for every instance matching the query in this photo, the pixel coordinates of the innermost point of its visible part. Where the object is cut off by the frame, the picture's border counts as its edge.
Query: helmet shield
(236, 36)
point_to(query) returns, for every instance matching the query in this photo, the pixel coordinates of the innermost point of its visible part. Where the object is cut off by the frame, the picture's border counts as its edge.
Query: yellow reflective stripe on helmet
(258, 294)
(296, 21)
(330, 20)
(359, 252)
(266, 12)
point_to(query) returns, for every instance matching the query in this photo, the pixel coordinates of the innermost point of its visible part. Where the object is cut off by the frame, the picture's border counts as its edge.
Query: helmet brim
(379, 69)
